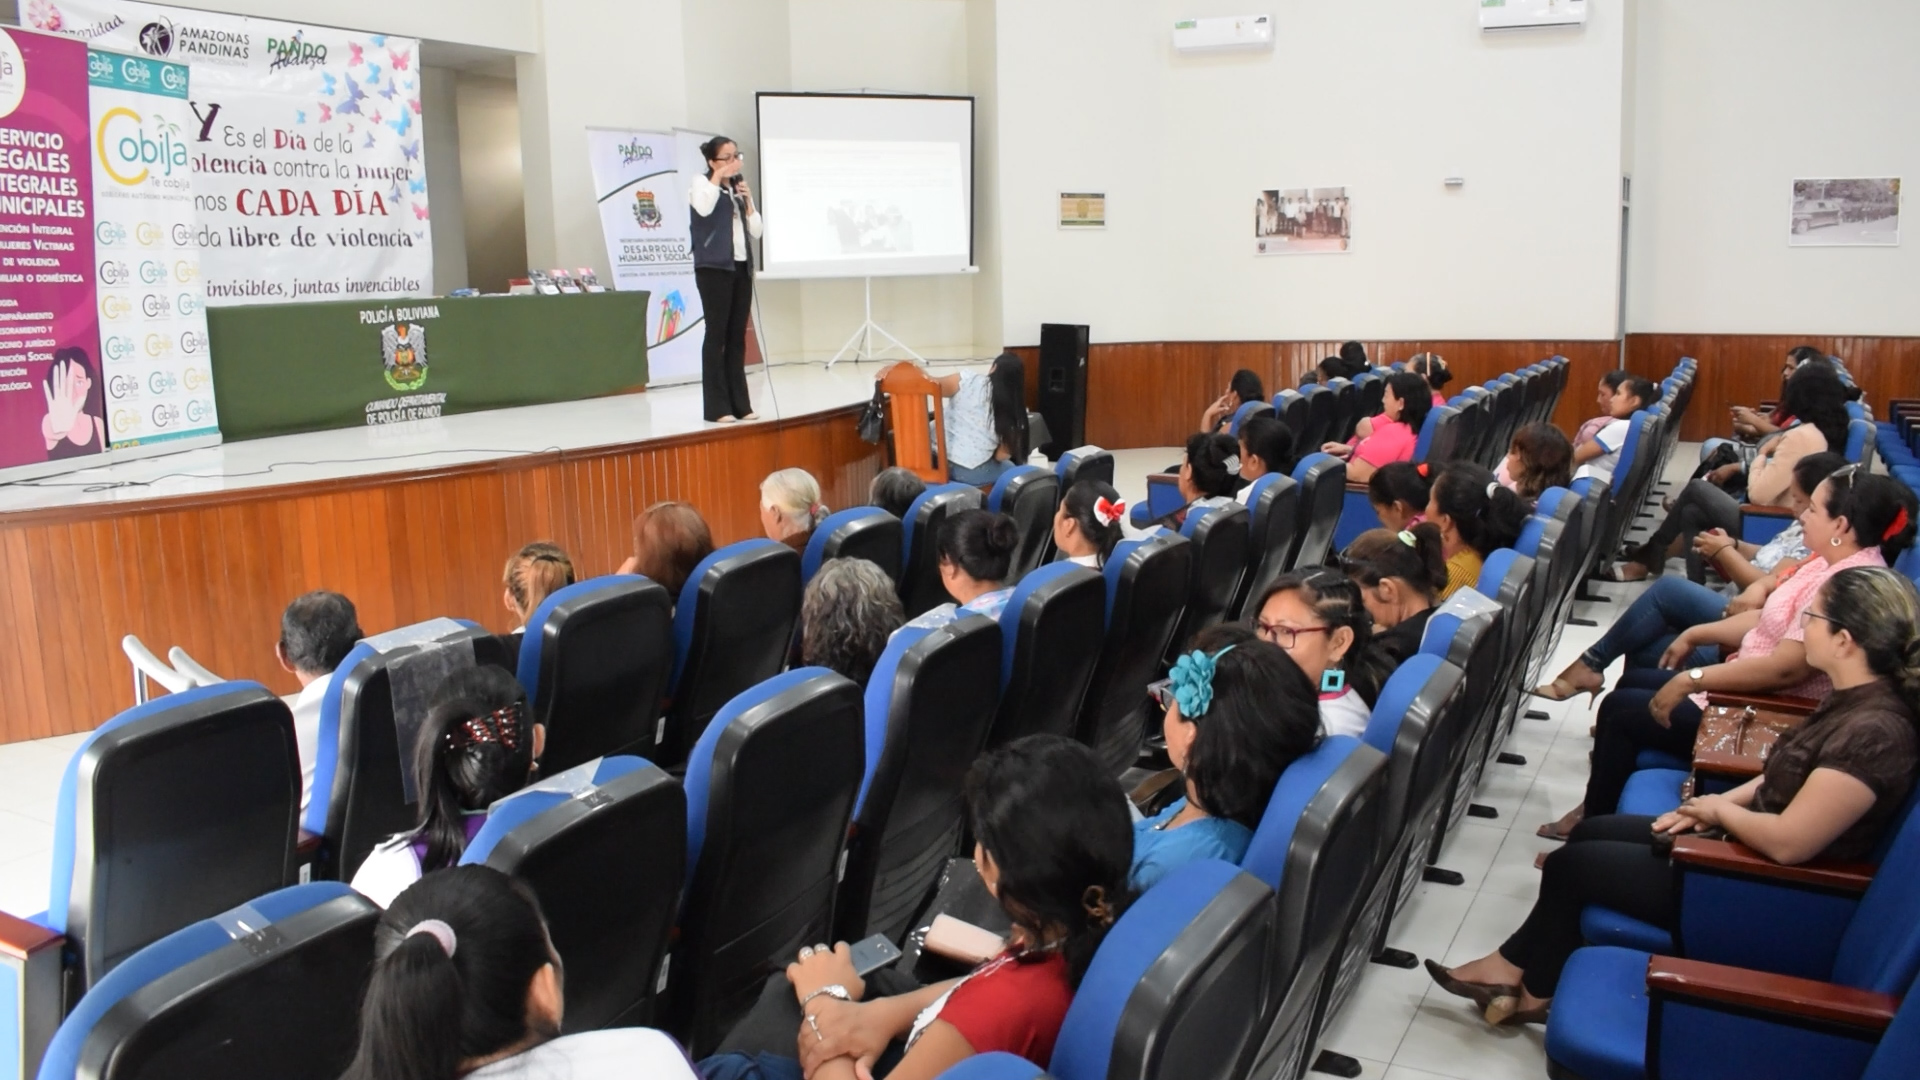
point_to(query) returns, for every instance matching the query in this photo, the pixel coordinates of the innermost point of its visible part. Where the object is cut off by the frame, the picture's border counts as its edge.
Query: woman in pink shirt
(1391, 436)
(1854, 519)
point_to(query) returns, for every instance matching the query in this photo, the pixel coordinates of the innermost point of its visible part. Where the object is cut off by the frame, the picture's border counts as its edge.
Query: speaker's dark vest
(712, 235)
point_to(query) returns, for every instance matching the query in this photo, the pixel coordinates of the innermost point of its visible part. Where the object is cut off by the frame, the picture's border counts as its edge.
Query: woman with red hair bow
(1087, 525)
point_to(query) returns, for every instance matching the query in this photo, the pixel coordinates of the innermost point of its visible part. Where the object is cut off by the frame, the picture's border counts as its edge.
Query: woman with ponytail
(790, 507)
(1087, 525)
(1400, 574)
(465, 984)
(1053, 844)
(1831, 787)
(478, 745)
(1476, 517)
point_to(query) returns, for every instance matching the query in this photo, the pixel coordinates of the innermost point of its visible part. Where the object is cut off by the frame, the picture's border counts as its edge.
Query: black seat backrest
(595, 664)
(1273, 517)
(770, 790)
(1448, 433)
(1148, 582)
(273, 989)
(1322, 406)
(929, 705)
(1084, 463)
(174, 811)
(1029, 495)
(1292, 408)
(732, 629)
(1050, 638)
(1221, 539)
(1373, 392)
(920, 587)
(607, 864)
(1346, 409)
(873, 537)
(1323, 491)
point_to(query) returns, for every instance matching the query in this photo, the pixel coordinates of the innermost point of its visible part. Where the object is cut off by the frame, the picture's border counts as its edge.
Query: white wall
(1387, 98)
(1737, 98)
(495, 24)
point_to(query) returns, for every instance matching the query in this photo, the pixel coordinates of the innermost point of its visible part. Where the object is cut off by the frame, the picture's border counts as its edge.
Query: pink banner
(52, 405)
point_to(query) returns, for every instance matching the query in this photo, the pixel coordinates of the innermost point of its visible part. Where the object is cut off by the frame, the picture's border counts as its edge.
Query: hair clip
(1233, 464)
(1107, 511)
(1421, 468)
(1898, 526)
(1407, 538)
(438, 931)
(500, 726)
(1493, 487)
(1192, 678)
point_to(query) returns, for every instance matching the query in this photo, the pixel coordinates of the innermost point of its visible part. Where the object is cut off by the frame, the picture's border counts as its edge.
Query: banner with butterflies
(308, 175)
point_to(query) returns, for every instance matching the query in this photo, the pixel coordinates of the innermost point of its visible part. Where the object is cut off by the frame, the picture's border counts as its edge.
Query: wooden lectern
(909, 391)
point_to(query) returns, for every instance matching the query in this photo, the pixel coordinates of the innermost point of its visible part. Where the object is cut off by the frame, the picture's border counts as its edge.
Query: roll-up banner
(642, 194)
(153, 322)
(305, 146)
(52, 397)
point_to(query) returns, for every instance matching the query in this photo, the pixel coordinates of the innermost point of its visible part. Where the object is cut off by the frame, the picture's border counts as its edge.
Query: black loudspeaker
(1063, 386)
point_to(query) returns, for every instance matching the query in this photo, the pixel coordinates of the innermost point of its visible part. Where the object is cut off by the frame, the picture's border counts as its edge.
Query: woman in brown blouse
(1830, 788)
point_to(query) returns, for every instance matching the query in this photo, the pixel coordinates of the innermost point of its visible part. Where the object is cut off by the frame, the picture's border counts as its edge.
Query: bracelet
(832, 990)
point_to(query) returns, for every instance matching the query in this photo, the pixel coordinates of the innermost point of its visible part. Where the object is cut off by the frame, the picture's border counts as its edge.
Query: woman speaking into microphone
(723, 217)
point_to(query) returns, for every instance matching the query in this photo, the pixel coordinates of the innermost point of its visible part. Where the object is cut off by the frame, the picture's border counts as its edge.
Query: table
(285, 368)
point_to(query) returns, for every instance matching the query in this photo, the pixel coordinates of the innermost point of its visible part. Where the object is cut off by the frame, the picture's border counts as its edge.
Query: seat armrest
(1733, 766)
(1729, 856)
(1359, 487)
(22, 940)
(1757, 510)
(1775, 702)
(1785, 995)
(30, 975)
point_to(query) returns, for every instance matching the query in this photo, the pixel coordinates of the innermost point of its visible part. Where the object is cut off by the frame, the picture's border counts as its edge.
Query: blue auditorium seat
(995, 1066)
(1148, 582)
(731, 629)
(595, 663)
(1029, 495)
(863, 532)
(1323, 483)
(1084, 463)
(1273, 524)
(1220, 532)
(920, 585)
(1247, 411)
(1051, 633)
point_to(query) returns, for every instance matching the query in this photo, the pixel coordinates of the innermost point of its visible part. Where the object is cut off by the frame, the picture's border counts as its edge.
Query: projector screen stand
(861, 343)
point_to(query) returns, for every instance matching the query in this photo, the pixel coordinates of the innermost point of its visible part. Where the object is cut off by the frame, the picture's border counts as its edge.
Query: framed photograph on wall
(1845, 213)
(1302, 221)
(1083, 210)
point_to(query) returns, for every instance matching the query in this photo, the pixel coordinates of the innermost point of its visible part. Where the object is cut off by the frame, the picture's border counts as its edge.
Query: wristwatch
(1697, 674)
(832, 990)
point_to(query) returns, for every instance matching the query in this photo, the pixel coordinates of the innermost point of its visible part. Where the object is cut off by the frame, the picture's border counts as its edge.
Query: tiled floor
(1398, 1024)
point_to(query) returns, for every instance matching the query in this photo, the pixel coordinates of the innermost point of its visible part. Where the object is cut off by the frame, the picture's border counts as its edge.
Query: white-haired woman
(790, 507)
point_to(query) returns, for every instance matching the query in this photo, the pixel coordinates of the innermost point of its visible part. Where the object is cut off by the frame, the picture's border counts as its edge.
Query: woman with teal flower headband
(1237, 714)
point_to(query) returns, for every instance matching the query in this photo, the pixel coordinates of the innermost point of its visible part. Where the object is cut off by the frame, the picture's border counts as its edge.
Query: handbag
(872, 425)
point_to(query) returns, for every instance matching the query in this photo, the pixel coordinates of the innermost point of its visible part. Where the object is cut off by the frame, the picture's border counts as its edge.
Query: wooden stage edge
(212, 572)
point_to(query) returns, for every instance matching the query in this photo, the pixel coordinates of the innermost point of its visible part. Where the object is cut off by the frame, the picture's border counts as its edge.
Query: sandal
(1482, 994)
(1549, 832)
(1560, 690)
(1619, 573)
(1506, 1012)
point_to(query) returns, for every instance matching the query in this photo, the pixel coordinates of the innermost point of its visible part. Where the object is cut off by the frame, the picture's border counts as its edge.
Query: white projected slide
(860, 186)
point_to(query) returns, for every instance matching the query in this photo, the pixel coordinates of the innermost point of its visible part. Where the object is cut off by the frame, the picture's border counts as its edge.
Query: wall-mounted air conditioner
(1531, 14)
(1226, 32)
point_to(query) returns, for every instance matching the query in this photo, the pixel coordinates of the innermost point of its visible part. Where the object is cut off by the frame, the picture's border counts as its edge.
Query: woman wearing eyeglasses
(1830, 788)
(1318, 619)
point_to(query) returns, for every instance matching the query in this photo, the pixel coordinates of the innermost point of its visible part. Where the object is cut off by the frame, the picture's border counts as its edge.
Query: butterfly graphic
(375, 118)
(373, 74)
(394, 195)
(349, 126)
(414, 104)
(369, 145)
(379, 41)
(418, 187)
(410, 151)
(401, 59)
(419, 212)
(328, 87)
(354, 96)
(354, 59)
(326, 112)
(402, 125)
(406, 84)
(299, 116)
(389, 91)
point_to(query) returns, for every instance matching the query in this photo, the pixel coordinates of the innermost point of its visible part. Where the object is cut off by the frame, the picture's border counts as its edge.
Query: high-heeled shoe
(1562, 688)
(1505, 1011)
(1482, 995)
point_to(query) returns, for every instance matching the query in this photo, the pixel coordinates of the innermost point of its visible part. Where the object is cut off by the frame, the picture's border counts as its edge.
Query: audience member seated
(1853, 520)
(1748, 424)
(790, 507)
(894, 490)
(1597, 455)
(535, 572)
(476, 746)
(1237, 713)
(1390, 436)
(1815, 403)
(1399, 493)
(317, 631)
(1353, 360)
(465, 983)
(1211, 470)
(1318, 618)
(987, 422)
(1087, 525)
(1400, 575)
(848, 612)
(1245, 386)
(1672, 605)
(1476, 518)
(1540, 458)
(976, 549)
(1830, 788)
(1431, 367)
(1053, 846)
(669, 540)
(1609, 384)
(1266, 446)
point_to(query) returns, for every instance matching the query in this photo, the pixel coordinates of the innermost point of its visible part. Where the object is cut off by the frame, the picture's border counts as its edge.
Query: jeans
(1699, 506)
(1643, 633)
(1609, 861)
(1626, 728)
(978, 475)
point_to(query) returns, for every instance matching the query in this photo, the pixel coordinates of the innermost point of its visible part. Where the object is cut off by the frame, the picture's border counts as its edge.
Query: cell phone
(873, 953)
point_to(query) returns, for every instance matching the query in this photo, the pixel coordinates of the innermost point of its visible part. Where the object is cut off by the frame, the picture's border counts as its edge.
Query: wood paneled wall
(1741, 369)
(212, 573)
(1152, 393)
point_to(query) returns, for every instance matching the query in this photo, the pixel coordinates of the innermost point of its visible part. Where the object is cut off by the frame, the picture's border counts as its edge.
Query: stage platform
(203, 548)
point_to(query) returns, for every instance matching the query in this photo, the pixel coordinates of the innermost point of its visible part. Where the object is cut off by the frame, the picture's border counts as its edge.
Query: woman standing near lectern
(723, 217)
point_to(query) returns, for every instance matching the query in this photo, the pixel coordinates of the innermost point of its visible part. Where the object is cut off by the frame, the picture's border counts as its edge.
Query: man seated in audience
(1598, 455)
(669, 540)
(1749, 424)
(1243, 387)
(894, 491)
(848, 612)
(317, 631)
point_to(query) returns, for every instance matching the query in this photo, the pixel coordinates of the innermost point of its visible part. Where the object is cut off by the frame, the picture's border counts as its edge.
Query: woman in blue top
(1238, 713)
(976, 554)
